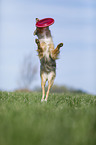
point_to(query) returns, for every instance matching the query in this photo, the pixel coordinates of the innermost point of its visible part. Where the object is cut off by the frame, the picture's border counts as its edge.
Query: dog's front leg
(39, 50)
(56, 51)
(59, 45)
(38, 43)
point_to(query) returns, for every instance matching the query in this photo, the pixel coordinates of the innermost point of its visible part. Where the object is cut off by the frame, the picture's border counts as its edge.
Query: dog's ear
(37, 20)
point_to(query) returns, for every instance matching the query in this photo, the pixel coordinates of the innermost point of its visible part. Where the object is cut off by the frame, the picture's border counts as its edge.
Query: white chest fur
(46, 49)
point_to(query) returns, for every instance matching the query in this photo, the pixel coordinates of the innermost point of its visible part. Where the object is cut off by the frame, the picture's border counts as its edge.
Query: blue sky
(75, 26)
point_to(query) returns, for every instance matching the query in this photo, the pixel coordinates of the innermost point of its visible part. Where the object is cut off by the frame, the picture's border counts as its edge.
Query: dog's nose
(34, 32)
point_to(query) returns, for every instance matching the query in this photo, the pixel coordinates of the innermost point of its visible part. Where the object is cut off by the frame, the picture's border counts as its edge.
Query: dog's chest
(45, 44)
(47, 63)
(46, 51)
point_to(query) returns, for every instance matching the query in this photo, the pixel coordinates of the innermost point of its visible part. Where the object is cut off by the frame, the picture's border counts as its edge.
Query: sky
(75, 26)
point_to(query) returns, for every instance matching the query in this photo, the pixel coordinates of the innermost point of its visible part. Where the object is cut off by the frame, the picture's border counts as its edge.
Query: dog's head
(42, 32)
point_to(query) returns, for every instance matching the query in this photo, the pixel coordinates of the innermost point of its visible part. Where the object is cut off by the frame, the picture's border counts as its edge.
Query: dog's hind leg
(50, 83)
(49, 86)
(43, 82)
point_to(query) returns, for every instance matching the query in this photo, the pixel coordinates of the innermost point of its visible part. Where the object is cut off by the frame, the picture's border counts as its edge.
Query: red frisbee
(45, 22)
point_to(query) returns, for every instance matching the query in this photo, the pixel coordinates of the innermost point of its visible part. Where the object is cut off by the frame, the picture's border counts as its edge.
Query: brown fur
(47, 55)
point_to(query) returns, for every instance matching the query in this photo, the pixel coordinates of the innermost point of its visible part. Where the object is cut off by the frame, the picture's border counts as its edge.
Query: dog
(47, 55)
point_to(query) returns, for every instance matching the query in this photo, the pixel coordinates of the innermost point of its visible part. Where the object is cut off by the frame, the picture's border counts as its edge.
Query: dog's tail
(56, 51)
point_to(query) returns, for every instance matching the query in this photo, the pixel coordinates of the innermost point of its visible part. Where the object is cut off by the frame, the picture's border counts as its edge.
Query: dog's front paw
(60, 45)
(37, 41)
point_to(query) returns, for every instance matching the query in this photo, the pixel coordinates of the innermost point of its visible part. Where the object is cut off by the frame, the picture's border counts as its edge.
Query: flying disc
(45, 22)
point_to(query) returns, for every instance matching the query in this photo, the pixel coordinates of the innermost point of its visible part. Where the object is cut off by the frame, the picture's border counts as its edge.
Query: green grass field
(66, 119)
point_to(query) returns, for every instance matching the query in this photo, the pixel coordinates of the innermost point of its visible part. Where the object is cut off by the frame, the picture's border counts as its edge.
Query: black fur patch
(47, 65)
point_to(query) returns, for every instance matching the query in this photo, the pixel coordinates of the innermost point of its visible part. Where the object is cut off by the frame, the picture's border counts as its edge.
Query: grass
(66, 119)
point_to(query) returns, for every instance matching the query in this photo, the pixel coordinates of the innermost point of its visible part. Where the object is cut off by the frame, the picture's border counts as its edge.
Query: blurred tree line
(28, 72)
(61, 89)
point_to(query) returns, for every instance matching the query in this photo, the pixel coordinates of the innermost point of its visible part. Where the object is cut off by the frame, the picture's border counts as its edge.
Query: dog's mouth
(42, 32)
